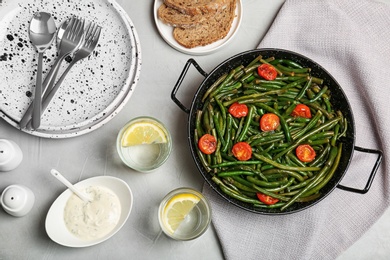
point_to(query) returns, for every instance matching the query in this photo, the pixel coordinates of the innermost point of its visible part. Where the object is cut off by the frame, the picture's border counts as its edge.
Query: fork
(90, 41)
(69, 43)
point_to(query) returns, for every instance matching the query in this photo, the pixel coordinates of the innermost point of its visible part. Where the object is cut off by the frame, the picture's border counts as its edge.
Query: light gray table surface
(94, 154)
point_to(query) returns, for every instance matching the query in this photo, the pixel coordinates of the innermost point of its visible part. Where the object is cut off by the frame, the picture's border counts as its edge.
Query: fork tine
(97, 34)
(94, 37)
(69, 28)
(91, 34)
(88, 34)
(88, 31)
(78, 30)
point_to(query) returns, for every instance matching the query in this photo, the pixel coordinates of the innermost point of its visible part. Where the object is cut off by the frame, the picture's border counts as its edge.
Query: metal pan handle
(373, 172)
(180, 80)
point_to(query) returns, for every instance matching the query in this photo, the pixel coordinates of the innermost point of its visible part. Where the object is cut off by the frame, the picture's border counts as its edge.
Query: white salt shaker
(17, 200)
(10, 155)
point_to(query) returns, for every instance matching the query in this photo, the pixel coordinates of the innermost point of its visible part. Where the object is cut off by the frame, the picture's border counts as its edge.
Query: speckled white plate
(95, 89)
(166, 33)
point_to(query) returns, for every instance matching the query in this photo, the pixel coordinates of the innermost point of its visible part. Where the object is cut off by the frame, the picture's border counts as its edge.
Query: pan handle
(180, 80)
(373, 172)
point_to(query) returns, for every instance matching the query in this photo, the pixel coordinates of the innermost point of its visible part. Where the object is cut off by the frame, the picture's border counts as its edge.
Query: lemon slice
(177, 209)
(143, 133)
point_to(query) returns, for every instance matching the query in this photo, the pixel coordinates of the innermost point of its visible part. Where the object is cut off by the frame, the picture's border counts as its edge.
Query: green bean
(239, 185)
(264, 82)
(232, 173)
(198, 126)
(289, 63)
(273, 206)
(319, 94)
(336, 132)
(201, 155)
(293, 174)
(246, 124)
(283, 187)
(240, 126)
(270, 193)
(282, 166)
(227, 137)
(300, 70)
(267, 184)
(218, 128)
(303, 90)
(226, 164)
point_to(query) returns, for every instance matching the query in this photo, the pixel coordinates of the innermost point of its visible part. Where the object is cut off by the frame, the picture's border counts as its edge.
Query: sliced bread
(173, 17)
(194, 7)
(212, 30)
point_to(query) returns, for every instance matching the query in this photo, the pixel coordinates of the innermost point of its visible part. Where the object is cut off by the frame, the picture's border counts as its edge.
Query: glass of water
(184, 214)
(144, 144)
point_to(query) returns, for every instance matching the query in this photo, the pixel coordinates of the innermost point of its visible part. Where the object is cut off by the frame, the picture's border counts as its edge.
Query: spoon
(62, 179)
(41, 32)
(27, 115)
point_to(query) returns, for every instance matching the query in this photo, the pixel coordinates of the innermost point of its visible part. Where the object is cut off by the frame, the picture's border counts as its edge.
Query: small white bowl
(55, 224)
(17, 200)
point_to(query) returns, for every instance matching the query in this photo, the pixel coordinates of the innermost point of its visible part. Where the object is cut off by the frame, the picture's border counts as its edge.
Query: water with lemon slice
(144, 144)
(184, 214)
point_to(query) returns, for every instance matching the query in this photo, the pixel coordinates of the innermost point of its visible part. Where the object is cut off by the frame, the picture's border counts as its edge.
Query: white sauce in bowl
(94, 219)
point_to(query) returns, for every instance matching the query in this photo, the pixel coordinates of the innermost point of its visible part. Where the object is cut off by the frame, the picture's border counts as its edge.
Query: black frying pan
(338, 100)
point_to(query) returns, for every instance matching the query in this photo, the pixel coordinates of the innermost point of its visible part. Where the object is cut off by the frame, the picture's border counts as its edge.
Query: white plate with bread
(191, 27)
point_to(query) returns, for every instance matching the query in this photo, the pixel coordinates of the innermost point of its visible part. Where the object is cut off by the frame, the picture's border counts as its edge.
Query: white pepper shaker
(17, 200)
(10, 155)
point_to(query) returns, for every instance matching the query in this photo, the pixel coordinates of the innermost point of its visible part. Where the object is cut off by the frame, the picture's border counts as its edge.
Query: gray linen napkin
(350, 39)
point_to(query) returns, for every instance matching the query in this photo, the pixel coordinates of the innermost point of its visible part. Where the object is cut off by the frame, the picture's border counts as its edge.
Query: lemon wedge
(143, 133)
(177, 208)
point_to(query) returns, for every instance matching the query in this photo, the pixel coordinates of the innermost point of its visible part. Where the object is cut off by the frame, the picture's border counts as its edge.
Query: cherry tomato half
(301, 110)
(207, 144)
(266, 199)
(238, 110)
(242, 151)
(269, 122)
(267, 71)
(305, 153)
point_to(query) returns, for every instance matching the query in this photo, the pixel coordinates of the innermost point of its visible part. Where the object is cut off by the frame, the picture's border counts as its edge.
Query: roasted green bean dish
(268, 135)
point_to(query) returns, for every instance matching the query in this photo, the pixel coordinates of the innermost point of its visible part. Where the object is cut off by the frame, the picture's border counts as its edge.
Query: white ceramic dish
(95, 89)
(166, 33)
(55, 224)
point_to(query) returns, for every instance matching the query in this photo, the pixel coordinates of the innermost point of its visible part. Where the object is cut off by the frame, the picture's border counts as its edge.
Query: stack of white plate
(95, 89)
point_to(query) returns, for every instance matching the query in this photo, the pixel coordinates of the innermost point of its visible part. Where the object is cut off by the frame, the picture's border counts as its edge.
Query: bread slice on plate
(214, 29)
(175, 18)
(194, 7)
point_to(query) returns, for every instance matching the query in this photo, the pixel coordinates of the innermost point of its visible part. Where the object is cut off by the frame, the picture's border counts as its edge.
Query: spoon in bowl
(41, 32)
(62, 179)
